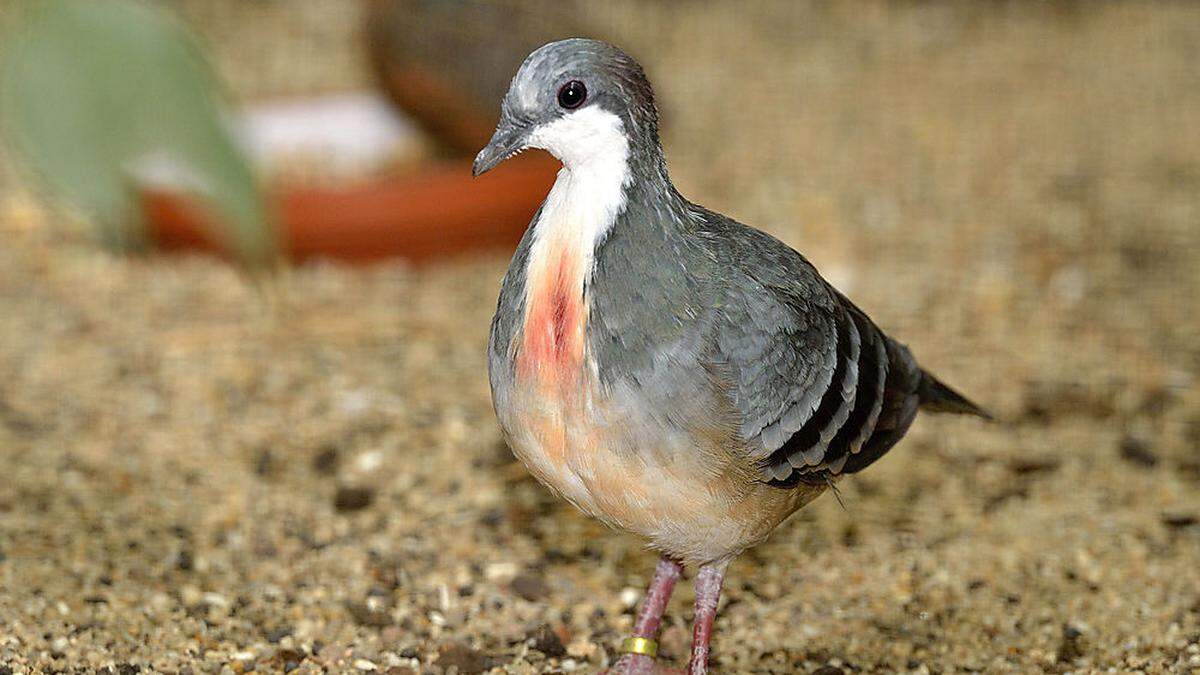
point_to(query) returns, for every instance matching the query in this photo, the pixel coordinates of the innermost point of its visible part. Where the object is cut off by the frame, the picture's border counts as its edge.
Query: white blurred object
(346, 134)
(339, 136)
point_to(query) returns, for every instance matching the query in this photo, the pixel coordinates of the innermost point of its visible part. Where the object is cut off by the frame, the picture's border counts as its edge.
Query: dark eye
(572, 94)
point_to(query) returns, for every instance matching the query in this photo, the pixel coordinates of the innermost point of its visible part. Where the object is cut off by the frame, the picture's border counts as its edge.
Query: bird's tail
(938, 397)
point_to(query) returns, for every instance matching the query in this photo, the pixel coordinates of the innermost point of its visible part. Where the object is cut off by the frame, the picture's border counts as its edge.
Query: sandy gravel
(203, 473)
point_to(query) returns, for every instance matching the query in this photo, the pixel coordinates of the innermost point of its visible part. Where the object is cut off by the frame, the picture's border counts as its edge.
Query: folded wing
(821, 389)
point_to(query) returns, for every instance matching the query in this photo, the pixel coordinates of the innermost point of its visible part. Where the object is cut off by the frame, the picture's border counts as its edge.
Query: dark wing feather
(821, 389)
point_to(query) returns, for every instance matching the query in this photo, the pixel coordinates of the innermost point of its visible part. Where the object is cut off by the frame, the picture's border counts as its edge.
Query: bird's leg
(708, 593)
(641, 648)
(657, 596)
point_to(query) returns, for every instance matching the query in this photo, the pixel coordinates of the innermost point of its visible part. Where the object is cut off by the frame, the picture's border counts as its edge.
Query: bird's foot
(640, 664)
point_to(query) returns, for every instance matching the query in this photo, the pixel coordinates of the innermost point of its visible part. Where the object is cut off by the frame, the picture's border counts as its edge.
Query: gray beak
(507, 141)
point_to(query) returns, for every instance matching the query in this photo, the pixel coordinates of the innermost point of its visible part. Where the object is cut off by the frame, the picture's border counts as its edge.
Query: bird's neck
(581, 208)
(589, 199)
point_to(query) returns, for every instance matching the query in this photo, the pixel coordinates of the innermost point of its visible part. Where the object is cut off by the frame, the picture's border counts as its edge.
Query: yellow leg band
(640, 645)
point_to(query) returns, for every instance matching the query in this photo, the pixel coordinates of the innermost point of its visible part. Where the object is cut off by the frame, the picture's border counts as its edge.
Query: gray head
(581, 100)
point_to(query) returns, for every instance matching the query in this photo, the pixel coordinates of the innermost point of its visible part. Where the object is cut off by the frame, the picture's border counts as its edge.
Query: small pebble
(467, 660)
(349, 498)
(1178, 521)
(215, 600)
(530, 586)
(1135, 451)
(366, 615)
(546, 641)
(264, 463)
(326, 461)
(500, 571)
(1070, 646)
(369, 461)
(1034, 465)
(629, 597)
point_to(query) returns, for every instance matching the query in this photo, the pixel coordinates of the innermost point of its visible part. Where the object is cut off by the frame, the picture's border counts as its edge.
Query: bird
(666, 369)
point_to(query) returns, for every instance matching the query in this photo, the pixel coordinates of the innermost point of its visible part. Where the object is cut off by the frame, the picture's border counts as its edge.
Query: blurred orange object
(440, 211)
(444, 66)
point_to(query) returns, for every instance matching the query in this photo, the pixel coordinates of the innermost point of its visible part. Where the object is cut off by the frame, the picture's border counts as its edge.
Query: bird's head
(583, 101)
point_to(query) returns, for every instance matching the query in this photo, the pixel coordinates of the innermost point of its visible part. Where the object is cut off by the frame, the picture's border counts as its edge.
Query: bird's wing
(820, 389)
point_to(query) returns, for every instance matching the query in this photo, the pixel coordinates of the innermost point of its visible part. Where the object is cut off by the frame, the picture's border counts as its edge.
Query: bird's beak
(508, 140)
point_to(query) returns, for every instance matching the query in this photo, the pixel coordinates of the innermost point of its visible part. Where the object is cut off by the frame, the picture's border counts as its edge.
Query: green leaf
(89, 89)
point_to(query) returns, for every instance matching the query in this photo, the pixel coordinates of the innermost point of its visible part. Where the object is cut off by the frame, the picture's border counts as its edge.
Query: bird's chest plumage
(550, 349)
(548, 399)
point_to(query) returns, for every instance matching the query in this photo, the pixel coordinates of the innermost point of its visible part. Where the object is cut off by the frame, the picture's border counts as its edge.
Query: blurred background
(244, 415)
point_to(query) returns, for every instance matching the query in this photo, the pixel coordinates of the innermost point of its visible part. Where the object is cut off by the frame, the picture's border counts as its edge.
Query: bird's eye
(572, 94)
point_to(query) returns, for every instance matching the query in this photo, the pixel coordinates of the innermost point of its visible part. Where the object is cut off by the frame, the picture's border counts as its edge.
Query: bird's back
(821, 390)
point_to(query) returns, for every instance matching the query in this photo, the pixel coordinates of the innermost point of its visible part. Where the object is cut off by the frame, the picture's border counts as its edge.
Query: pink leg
(657, 596)
(708, 593)
(649, 618)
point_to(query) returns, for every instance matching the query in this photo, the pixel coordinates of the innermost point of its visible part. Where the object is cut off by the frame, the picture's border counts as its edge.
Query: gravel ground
(204, 472)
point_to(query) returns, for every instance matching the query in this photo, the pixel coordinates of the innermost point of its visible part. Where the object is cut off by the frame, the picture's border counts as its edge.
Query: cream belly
(617, 465)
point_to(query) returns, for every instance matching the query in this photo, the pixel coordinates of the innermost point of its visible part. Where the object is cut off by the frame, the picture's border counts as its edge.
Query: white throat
(589, 193)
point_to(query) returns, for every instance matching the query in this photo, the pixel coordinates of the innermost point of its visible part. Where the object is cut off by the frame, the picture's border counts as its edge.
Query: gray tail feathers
(938, 397)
